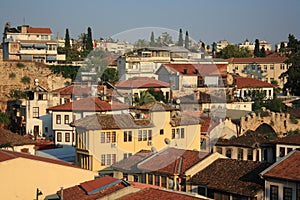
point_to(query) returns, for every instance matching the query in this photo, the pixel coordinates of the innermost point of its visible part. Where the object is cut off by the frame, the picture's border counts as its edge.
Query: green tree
(180, 38)
(258, 97)
(145, 98)
(275, 105)
(158, 95)
(89, 40)
(25, 80)
(256, 49)
(282, 47)
(141, 43)
(4, 119)
(152, 40)
(164, 39)
(110, 75)
(232, 51)
(187, 40)
(263, 52)
(293, 44)
(67, 40)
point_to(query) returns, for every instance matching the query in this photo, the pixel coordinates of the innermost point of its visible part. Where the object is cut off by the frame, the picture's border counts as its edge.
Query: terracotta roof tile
(142, 82)
(289, 139)
(78, 90)
(8, 137)
(39, 30)
(156, 106)
(151, 193)
(288, 168)
(172, 161)
(90, 104)
(199, 69)
(233, 176)
(245, 82)
(257, 60)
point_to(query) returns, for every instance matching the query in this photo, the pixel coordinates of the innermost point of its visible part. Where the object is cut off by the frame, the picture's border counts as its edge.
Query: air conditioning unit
(149, 143)
(113, 145)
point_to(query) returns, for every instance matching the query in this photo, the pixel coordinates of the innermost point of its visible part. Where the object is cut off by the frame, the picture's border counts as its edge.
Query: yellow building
(22, 175)
(104, 139)
(267, 69)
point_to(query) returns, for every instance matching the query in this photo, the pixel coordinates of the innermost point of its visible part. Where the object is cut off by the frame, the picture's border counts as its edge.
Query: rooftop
(287, 168)
(9, 138)
(234, 176)
(245, 82)
(78, 90)
(257, 60)
(289, 139)
(142, 82)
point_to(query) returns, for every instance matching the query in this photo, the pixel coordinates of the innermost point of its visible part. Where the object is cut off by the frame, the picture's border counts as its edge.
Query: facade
(114, 47)
(222, 44)
(63, 115)
(250, 46)
(230, 179)
(267, 69)
(105, 139)
(24, 174)
(282, 179)
(28, 43)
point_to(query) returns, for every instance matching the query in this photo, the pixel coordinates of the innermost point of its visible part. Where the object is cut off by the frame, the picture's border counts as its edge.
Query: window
(125, 156)
(35, 112)
(203, 144)
(161, 132)
(108, 159)
(144, 135)
(140, 135)
(228, 153)
(240, 154)
(113, 137)
(102, 160)
(298, 192)
(42, 97)
(108, 137)
(173, 133)
(182, 133)
(66, 119)
(127, 136)
(273, 192)
(177, 132)
(265, 154)
(149, 135)
(58, 119)
(272, 67)
(219, 150)
(281, 151)
(113, 158)
(135, 178)
(289, 150)
(157, 180)
(150, 179)
(102, 137)
(250, 154)
(164, 181)
(58, 136)
(67, 137)
(287, 193)
(265, 67)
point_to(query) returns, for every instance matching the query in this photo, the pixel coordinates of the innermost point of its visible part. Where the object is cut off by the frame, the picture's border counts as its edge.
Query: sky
(209, 20)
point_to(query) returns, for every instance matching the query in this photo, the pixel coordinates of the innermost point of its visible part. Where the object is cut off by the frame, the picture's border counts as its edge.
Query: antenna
(23, 20)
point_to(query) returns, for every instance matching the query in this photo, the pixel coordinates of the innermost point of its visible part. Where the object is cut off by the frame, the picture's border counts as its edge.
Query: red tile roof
(156, 106)
(207, 124)
(203, 69)
(151, 193)
(9, 155)
(39, 30)
(90, 104)
(8, 137)
(172, 161)
(245, 82)
(78, 90)
(290, 139)
(93, 189)
(233, 176)
(257, 60)
(288, 168)
(142, 82)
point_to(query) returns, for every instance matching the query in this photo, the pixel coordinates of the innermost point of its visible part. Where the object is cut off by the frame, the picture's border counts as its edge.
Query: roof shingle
(142, 82)
(8, 137)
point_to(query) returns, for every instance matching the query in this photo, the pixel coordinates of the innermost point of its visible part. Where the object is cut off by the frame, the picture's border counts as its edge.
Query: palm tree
(145, 98)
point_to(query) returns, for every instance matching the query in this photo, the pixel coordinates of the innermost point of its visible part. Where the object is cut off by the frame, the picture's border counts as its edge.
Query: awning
(40, 46)
(51, 58)
(26, 45)
(43, 57)
(26, 57)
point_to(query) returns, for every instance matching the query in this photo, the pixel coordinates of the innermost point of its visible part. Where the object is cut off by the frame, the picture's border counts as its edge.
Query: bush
(25, 80)
(20, 65)
(12, 75)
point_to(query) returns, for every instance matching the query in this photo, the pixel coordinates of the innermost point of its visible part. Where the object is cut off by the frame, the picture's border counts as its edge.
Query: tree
(232, 51)
(263, 52)
(180, 38)
(187, 40)
(203, 46)
(67, 44)
(4, 119)
(110, 75)
(165, 39)
(293, 44)
(214, 49)
(141, 43)
(256, 48)
(158, 95)
(282, 47)
(152, 40)
(145, 98)
(89, 40)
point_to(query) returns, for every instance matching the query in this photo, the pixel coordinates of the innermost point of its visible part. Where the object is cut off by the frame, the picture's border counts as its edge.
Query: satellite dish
(177, 101)
(167, 141)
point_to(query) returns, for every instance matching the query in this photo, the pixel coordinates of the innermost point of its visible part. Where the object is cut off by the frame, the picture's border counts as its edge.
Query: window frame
(58, 119)
(59, 137)
(67, 137)
(35, 110)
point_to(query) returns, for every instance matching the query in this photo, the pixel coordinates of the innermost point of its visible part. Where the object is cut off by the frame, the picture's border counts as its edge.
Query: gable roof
(287, 168)
(234, 176)
(39, 30)
(10, 155)
(245, 82)
(172, 161)
(250, 60)
(289, 139)
(111, 122)
(198, 69)
(142, 82)
(129, 165)
(93, 189)
(13, 139)
(249, 139)
(153, 193)
(74, 89)
(90, 104)
(156, 106)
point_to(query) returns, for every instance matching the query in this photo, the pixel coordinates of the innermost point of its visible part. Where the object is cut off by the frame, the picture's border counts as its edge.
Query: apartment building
(29, 43)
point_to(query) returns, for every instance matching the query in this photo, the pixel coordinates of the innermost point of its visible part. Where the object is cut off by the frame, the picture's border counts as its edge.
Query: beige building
(28, 43)
(24, 175)
(267, 69)
(250, 46)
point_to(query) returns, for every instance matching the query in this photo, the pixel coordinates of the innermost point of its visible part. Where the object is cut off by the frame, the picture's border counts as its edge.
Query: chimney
(24, 28)
(185, 71)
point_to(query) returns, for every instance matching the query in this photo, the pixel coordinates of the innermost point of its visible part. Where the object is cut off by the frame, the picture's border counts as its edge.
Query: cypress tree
(263, 52)
(187, 40)
(152, 40)
(89, 40)
(256, 49)
(180, 38)
(67, 44)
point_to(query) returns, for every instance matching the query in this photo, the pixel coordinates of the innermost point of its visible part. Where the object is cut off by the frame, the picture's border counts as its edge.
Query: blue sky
(209, 20)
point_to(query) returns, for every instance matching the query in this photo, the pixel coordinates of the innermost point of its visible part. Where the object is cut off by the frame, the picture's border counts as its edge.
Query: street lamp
(38, 193)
